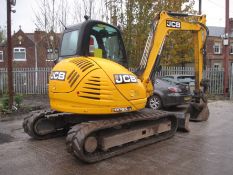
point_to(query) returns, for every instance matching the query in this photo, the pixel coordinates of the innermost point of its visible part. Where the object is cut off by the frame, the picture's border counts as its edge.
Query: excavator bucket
(199, 111)
(198, 107)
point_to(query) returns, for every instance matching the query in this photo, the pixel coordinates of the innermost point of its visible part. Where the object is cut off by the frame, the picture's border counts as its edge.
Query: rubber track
(33, 117)
(76, 136)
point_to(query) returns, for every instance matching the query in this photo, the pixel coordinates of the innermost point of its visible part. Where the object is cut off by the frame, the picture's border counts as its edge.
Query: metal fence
(231, 86)
(26, 80)
(32, 81)
(215, 76)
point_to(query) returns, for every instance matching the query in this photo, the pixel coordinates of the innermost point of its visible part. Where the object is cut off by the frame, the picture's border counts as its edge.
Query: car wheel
(155, 102)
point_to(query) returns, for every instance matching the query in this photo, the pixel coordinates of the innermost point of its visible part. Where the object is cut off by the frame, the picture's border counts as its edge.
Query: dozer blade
(183, 116)
(199, 111)
(183, 121)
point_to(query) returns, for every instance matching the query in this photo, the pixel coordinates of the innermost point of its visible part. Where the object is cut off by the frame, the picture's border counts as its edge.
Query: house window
(1, 56)
(231, 48)
(217, 48)
(52, 54)
(217, 65)
(19, 54)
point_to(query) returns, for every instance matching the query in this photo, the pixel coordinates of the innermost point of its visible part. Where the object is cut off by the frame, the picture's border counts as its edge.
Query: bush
(18, 100)
(5, 102)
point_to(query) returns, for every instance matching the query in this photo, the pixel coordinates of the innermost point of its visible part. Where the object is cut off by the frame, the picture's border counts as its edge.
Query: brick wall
(213, 58)
(39, 41)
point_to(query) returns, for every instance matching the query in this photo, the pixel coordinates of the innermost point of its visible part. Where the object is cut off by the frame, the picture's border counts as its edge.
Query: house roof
(216, 31)
(30, 36)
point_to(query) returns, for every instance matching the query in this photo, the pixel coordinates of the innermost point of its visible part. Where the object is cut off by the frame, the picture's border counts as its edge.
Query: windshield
(69, 43)
(105, 42)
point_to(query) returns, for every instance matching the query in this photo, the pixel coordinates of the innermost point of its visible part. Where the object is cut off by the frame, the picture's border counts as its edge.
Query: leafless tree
(50, 18)
(95, 9)
(51, 14)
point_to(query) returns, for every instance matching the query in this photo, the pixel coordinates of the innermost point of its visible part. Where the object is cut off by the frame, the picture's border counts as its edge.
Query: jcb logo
(57, 75)
(173, 24)
(124, 78)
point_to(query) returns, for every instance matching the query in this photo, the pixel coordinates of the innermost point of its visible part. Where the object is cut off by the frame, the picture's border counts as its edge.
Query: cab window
(69, 43)
(105, 42)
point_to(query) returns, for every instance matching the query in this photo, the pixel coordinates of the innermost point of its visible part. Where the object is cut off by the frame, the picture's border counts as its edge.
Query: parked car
(168, 93)
(185, 79)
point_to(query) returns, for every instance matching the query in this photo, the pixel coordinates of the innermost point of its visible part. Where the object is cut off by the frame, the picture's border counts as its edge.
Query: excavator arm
(164, 23)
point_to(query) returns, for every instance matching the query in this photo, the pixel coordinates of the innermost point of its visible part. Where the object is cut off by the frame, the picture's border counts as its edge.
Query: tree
(51, 15)
(136, 18)
(95, 9)
(2, 35)
(49, 19)
(178, 49)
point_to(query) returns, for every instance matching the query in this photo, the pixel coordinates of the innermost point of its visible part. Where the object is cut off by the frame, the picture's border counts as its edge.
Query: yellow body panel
(94, 90)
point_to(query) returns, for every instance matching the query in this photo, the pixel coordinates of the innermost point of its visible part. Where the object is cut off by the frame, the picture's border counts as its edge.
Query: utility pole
(199, 11)
(9, 53)
(226, 49)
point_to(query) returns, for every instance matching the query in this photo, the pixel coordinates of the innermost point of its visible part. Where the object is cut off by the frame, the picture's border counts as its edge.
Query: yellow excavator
(100, 103)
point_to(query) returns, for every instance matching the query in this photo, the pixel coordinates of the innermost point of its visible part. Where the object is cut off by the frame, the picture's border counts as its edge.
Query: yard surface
(207, 149)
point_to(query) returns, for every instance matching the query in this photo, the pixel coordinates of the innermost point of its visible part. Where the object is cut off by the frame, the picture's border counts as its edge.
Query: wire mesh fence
(35, 81)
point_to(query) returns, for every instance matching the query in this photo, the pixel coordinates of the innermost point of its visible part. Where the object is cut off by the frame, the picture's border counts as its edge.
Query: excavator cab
(95, 39)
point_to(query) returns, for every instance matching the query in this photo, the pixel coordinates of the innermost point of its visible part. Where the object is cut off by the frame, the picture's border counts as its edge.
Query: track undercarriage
(92, 139)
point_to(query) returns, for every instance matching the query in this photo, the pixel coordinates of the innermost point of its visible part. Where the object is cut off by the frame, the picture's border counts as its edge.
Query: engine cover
(90, 85)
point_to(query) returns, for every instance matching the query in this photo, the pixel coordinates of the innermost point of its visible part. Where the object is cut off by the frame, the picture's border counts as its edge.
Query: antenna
(63, 24)
(86, 17)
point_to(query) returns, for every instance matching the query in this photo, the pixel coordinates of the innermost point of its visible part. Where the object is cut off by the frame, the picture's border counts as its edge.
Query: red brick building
(31, 50)
(215, 47)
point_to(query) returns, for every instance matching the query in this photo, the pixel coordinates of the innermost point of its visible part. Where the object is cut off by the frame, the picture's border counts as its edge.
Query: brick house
(215, 47)
(31, 50)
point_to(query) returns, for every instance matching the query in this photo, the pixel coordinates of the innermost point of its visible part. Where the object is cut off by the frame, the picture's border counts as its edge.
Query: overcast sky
(24, 16)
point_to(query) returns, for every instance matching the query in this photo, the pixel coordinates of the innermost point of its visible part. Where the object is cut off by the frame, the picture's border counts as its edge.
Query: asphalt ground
(207, 150)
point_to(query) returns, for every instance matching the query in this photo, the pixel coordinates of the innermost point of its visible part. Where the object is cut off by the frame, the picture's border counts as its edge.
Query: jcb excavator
(92, 92)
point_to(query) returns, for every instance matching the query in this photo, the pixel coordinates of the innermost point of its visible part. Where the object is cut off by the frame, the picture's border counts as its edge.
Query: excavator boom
(164, 23)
